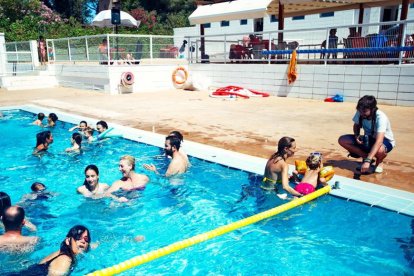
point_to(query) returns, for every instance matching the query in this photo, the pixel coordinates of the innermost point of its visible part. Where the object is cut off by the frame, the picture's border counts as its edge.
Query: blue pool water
(328, 236)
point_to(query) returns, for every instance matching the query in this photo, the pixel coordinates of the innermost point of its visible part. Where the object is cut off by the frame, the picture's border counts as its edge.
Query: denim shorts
(387, 145)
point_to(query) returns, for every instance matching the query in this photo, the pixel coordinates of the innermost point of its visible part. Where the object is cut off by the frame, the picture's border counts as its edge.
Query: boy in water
(39, 121)
(311, 179)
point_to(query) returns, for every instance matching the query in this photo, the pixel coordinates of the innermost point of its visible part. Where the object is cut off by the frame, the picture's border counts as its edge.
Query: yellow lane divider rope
(155, 254)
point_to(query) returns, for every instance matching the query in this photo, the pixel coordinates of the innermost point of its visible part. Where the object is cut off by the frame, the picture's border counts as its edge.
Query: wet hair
(75, 232)
(130, 159)
(40, 116)
(5, 202)
(89, 131)
(174, 141)
(313, 161)
(368, 102)
(91, 167)
(83, 122)
(53, 117)
(77, 138)
(284, 142)
(36, 186)
(177, 134)
(103, 124)
(13, 218)
(42, 136)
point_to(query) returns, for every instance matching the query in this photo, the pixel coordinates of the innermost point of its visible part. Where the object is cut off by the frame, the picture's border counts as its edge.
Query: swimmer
(178, 134)
(43, 140)
(88, 134)
(62, 262)
(39, 121)
(178, 164)
(276, 170)
(91, 186)
(101, 126)
(13, 240)
(76, 141)
(81, 127)
(130, 179)
(38, 192)
(311, 179)
(5, 202)
(51, 120)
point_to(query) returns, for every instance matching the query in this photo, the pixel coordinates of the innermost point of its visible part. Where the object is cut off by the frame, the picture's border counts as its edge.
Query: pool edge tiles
(350, 189)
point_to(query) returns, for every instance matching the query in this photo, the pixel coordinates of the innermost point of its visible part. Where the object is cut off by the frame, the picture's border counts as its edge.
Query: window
(326, 14)
(206, 25)
(225, 23)
(300, 17)
(273, 18)
(412, 6)
(243, 22)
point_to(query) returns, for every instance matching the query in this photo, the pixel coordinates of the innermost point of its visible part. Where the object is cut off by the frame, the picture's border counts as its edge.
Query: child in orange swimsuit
(311, 179)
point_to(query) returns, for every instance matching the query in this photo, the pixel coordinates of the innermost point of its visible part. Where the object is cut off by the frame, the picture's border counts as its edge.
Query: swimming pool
(326, 236)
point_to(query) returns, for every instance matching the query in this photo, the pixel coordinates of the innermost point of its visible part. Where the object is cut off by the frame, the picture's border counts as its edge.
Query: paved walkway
(251, 126)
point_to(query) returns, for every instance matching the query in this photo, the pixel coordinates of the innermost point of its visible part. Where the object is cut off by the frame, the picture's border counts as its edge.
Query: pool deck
(252, 126)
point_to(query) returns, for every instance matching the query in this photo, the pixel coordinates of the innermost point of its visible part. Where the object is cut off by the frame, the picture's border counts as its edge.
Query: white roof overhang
(246, 9)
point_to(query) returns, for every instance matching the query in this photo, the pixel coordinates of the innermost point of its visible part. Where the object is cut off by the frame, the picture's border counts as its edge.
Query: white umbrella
(103, 19)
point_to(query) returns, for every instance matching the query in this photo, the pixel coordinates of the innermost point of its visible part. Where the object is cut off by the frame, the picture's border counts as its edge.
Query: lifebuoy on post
(179, 79)
(127, 79)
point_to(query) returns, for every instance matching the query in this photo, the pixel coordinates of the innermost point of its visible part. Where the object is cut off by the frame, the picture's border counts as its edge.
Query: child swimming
(311, 179)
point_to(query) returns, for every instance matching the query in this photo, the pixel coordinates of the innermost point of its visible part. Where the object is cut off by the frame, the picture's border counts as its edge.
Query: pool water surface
(326, 236)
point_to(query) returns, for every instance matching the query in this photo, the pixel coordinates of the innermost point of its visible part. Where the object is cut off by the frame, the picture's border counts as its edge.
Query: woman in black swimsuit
(62, 261)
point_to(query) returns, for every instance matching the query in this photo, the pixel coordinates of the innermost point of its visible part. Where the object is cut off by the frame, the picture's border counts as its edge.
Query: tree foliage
(27, 19)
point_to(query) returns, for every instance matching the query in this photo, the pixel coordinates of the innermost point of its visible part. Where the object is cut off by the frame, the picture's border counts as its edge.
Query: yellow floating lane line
(155, 254)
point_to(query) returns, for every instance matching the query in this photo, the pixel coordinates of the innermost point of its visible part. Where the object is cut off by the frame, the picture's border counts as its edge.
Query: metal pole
(87, 49)
(224, 53)
(70, 55)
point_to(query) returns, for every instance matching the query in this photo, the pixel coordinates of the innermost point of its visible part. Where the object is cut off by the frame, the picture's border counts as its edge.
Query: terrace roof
(218, 10)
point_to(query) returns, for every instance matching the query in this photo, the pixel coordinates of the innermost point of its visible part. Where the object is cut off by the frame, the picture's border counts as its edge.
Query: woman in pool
(43, 140)
(51, 120)
(63, 261)
(276, 170)
(91, 186)
(81, 127)
(76, 141)
(130, 179)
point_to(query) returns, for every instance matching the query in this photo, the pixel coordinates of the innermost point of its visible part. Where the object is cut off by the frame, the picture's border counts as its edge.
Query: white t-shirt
(382, 124)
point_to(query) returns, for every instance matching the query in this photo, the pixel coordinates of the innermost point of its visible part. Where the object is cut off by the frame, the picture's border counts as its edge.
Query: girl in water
(76, 141)
(91, 186)
(63, 261)
(43, 140)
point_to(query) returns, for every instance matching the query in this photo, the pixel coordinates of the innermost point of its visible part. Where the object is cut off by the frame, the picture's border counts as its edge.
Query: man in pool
(13, 240)
(101, 126)
(378, 140)
(178, 164)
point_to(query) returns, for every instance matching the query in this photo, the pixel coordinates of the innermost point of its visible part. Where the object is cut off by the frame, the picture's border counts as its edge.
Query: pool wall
(350, 189)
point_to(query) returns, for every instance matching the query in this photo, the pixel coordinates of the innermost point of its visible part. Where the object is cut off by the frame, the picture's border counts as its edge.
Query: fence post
(225, 44)
(3, 57)
(34, 53)
(325, 56)
(269, 48)
(402, 44)
(70, 55)
(87, 49)
(151, 52)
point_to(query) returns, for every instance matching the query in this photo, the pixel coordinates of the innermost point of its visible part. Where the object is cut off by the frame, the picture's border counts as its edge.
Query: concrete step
(28, 82)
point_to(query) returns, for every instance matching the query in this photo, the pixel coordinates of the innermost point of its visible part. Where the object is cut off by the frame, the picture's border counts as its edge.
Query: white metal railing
(110, 48)
(377, 42)
(18, 57)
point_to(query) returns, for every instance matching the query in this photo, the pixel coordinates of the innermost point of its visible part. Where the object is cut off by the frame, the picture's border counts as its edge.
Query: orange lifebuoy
(127, 79)
(174, 75)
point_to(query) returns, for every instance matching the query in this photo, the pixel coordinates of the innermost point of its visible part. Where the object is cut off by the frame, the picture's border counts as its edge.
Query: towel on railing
(292, 74)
